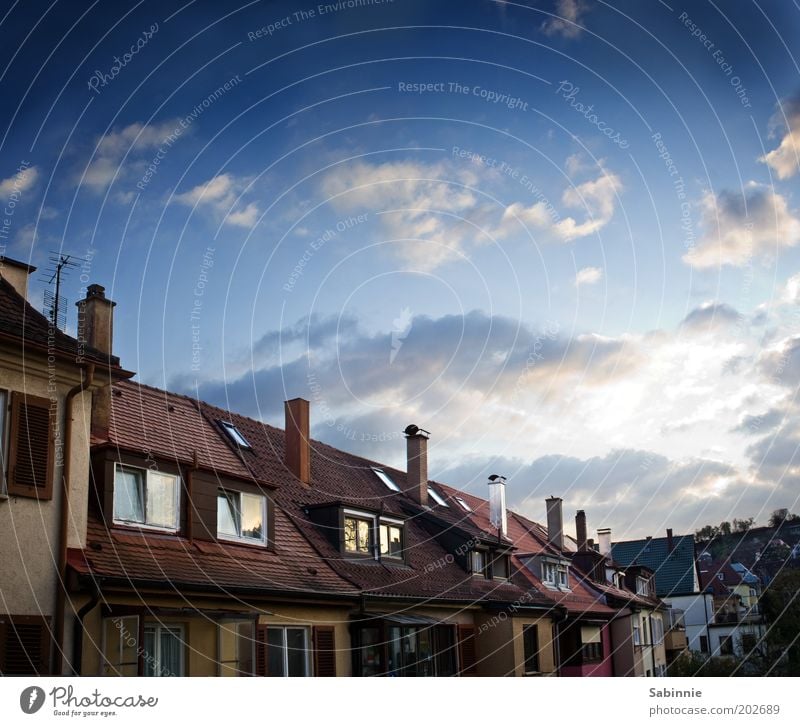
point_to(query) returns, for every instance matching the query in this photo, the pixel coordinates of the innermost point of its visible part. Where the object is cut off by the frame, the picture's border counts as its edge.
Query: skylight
(463, 504)
(235, 435)
(386, 479)
(436, 497)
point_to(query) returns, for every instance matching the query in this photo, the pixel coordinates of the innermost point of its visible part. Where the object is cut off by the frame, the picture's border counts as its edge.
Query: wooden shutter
(30, 459)
(261, 650)
(24, 645)
(324, 651)
(467, 662)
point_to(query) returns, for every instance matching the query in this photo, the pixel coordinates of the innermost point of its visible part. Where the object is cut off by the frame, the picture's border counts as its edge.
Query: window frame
(438, 498)
(389, 523)
(236, 437)
(560, 570)
(157, 628)
(526, 656)
(388, 482)
(501, 556)
(232, 626)
(373, 548)
(143, 525)
(241, 539)
(284, 646)
(484, 569)
(4, 416)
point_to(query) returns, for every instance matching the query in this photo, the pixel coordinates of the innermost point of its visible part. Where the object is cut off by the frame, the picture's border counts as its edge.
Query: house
(677, 583)
(47, 380)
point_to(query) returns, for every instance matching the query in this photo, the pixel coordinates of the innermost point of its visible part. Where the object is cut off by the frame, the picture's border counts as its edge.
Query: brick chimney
(417, 464)
(555, 523)
(604, 541)
(670, 541)
(580, 530)
(96, 320)
(16, 273)
(298, 446)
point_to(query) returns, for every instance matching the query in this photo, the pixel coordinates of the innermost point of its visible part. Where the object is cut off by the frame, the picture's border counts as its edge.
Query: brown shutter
(30, 459)
(467, 665)
(261, 650)
(24, 645)
(324, 651)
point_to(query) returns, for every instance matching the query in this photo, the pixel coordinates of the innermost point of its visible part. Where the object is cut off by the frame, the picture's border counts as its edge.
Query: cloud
(222, 194)
(19, 183)
(711, 316)
(784, 160)
(740, 227)
(588, 276)
(571, 13)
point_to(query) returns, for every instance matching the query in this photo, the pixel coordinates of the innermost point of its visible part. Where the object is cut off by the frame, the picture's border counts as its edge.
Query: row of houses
(143, 532)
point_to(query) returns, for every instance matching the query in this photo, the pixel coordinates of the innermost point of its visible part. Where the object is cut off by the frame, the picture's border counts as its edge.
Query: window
(391, 535)
(721, 577)
(145, 497)
(433, 494)
(3, 406)
(235, 435)
(555, 574)
(749, 642)
(30, 456)
(658, 630)
(236, 648)
(637, 638)
(420, 651)
(530, 647)
(592, 652)
(642, 586)
(241, 516)
(163, 650)
(463, 504)
(386, 479)
(477, 561)
(704, 644)
(500, 567)
(287, 652)
(726, 645)
(358, 535)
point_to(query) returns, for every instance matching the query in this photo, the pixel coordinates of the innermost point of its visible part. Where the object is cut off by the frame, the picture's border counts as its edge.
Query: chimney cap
(495, 478)
(604, 530)
(16, 263)
(414, 430)
(551, 498)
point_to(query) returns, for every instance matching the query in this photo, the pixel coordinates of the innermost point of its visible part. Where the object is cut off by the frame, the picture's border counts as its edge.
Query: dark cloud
(711, 316)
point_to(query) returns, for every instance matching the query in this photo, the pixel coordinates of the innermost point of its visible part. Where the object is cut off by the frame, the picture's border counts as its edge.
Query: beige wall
(500, 649)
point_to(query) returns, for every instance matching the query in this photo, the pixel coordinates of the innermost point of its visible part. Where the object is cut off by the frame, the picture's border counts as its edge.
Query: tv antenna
(55, 307)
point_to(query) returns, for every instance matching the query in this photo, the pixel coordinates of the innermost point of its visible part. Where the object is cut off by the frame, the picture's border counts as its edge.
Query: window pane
(227, 514)
(246, 644)
(252, 522)
(171, 642)
(161, 490)
(128, 505)
(363, 536)
(150, 655)
(530, 640)
(350, 534)
(3, 441)
(296, 651)
(391, 540)
(275, 652)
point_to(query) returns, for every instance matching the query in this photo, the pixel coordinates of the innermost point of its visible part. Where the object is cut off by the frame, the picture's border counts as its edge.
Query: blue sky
(562, 236)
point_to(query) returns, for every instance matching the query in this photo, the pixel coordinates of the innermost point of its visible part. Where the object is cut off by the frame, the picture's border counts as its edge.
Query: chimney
(590, 544)
(417, 464)
(96, 320)
(604, 541)
(555, 523)
(497, 504)
(670, 541)
(580, 530)
(16, 274)
(298, 447)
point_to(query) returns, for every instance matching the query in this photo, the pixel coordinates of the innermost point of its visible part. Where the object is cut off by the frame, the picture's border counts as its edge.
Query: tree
(779, 516)
(780, 605)
(706, 533)
(743, 525)
(690, 664)
(725, 528)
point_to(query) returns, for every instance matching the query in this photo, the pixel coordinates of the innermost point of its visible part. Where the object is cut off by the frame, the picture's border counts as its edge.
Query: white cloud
(222, 194)
(588, 276)
(21, 182)
(740, 227)
(571, 14)
(785, 159)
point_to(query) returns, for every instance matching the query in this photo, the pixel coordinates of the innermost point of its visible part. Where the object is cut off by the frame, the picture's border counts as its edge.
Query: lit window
(391, 539)
(235, 435)
(287, 652)
(163, 646)
(241, 516)
(463, 504)
(478, 562)
(386, 479)
(358, 535)
(436, 497)
(145, 497)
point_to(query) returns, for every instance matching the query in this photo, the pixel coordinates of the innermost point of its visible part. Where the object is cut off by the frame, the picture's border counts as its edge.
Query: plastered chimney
(604, 541)
(555, 523)
(298, 446)
(16, 273)
(96, 320)
(417, 464)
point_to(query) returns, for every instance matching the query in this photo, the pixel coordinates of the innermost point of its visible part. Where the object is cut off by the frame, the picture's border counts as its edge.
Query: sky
(562, 236)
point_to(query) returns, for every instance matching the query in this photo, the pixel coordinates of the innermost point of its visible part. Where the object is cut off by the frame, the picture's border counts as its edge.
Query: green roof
(675, 571)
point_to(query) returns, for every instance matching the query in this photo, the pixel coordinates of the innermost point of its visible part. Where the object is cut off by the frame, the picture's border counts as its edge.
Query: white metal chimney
(604, 541)
(497, 503)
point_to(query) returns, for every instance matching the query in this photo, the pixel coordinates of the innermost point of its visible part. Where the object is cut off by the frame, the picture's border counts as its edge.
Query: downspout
(77, 638)
(61, 585)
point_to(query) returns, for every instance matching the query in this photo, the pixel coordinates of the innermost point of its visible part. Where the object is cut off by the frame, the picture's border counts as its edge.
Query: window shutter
(324, 651)
(261, 650)
(24, 645)
(466, 650)
(30, 460)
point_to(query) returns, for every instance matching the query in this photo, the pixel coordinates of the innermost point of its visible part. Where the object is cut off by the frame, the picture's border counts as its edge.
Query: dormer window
(433, 494)
(391, 537)
(358, 534)
(386, 479)
(241, 516)
(235, 435)
(642, 586)
(361, 530)
(477, 562)
(555, 573)
(500, 567)
(145, 498)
